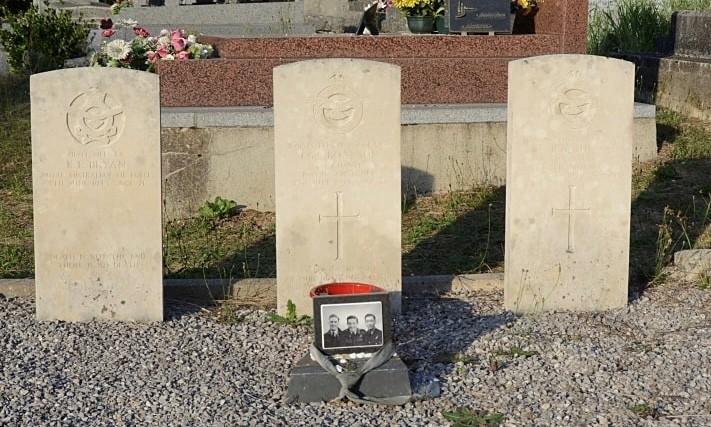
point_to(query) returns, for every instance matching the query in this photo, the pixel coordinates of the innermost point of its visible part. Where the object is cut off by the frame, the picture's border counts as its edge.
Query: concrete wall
(684, 86)
(299, 17)
(230, 152)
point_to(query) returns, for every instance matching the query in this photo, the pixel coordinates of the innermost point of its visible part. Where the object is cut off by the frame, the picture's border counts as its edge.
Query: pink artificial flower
(141, 32)
(152, 57)
(108, 33)
(177, 41)
(162, 51)
(184, 54)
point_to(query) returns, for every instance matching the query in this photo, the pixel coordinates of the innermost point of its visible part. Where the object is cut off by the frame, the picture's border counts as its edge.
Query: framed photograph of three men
(348, 324)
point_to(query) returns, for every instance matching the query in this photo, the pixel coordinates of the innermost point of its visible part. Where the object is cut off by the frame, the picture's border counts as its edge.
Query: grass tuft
(463, 417)
(644, 410)
(516, 351)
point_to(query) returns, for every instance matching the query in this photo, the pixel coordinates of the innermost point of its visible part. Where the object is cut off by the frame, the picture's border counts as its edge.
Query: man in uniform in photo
(352, 336)
(372, 335)
(334, 336)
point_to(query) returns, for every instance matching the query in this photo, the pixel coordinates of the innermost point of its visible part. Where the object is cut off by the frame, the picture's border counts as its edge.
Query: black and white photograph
(352, 326)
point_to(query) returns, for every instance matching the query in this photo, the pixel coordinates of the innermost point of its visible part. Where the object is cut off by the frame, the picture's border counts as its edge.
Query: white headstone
(97, 195)
(568, 184)
(337, 150)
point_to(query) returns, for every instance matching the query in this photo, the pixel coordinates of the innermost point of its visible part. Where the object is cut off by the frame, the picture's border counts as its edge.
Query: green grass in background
(16, 258)
(634, 26)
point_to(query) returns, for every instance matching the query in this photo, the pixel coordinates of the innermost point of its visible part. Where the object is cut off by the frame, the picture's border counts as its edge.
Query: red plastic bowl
(345, 288)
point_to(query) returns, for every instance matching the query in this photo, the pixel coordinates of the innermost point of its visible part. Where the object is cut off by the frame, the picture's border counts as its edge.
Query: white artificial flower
(164, 40)
(169, 57)
(130, 23)
(164, 33)
(118, 49)
(115, 8)
(192, 39)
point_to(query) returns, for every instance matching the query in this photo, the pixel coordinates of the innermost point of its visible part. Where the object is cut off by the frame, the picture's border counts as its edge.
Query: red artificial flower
(106, 24)
(108, 33)
(141, 32)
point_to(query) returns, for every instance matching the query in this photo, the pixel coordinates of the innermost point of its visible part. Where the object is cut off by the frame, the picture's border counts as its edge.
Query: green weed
(644, 410)
(516, 351)
(219, 209)
(463, 417)
(693, 143)
(291, 319)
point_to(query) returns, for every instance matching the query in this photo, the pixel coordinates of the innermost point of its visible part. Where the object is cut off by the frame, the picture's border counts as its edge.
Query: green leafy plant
(644, 410)
(291, 319)
(467, 418)
(41, 40)
(219, 209)
(704, 282)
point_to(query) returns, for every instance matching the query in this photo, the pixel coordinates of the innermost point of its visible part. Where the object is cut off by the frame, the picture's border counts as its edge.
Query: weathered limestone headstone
(97, 195)
(337, 162)
(568, 184)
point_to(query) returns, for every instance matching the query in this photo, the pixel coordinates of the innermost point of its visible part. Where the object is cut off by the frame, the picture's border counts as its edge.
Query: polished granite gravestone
(568, 183)
(480, 16)
(337, 173)
(463, 69)
(96, 171)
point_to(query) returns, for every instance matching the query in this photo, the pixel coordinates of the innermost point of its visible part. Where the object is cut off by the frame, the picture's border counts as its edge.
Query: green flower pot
(420, 24)
(441, 25)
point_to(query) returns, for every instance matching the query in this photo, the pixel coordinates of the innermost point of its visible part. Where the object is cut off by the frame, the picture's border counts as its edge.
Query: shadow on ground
(670, 214)
(473, 242)
(433, 334)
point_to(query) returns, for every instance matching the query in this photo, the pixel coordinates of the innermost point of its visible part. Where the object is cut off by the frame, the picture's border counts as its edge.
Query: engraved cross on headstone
(338, 218)
(571, 212)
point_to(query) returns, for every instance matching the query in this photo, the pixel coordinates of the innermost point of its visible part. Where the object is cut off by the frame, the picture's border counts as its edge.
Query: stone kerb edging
(209, 117)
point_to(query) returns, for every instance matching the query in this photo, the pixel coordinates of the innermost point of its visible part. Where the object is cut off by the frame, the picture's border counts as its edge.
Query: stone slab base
(309, 382)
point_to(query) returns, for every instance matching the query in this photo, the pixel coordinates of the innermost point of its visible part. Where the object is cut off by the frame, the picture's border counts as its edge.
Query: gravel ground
(582, 369)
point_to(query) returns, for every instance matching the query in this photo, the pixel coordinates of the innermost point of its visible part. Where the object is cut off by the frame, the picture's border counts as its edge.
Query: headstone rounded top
(99, 72)
(571, 58)
(336, 63)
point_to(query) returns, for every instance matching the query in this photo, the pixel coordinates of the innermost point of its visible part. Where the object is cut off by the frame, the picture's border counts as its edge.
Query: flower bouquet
(420, 13)
(524, 7)
(524, 11)
(144, 51)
